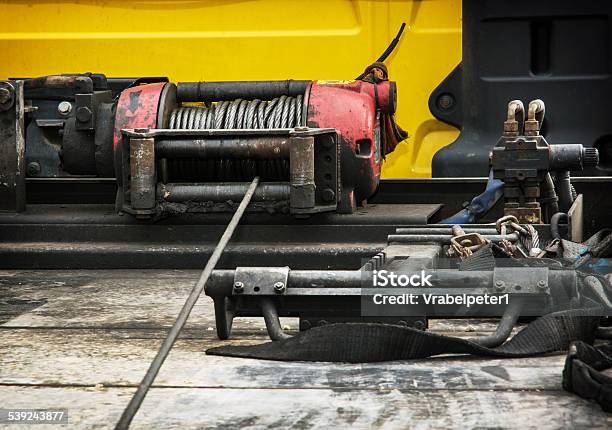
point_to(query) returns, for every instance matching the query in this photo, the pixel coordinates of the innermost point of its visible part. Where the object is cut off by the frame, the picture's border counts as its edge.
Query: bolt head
(279, 287)
(64, 108)
(419, 325)
(445, 101)
(238, 287)
(33, 168)
(328, 195)
(5, 95)
(542, 284)
(83, 114)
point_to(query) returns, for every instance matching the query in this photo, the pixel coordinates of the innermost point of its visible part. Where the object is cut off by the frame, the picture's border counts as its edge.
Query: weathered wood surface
(117, 358)
(188, 408)
(84, 339)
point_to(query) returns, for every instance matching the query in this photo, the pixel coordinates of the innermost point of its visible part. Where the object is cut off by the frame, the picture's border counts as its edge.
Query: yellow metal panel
(190, 40)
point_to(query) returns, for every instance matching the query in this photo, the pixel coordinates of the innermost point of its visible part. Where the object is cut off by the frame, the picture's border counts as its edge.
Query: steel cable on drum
(281, 112)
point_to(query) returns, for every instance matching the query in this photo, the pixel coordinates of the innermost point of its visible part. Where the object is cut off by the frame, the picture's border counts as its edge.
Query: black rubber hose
(550, 194)
(555, 220)
(564, 190)
(389, 49)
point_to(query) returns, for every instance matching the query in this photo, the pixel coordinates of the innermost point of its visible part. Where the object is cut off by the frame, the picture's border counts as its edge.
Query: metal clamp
(465, 244)
(520, 280)
(263, 281)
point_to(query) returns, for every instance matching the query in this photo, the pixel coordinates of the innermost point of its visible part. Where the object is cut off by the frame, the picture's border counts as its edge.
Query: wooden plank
(90, 357)
(174, 408)
(83, 339)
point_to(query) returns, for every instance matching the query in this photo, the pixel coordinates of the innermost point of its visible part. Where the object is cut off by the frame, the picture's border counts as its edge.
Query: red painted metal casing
(351, 108)
(137, 107)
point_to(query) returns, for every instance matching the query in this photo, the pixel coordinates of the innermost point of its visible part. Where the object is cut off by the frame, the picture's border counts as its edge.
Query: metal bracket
(521, 280)
(575, 220)
(262, 281)
(12, 147)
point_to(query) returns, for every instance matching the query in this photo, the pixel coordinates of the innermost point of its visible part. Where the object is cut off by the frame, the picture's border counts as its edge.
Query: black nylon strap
(364, 342)
(582, 373)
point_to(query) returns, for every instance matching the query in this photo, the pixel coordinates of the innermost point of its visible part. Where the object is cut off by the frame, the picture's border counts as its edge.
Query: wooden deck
(82, 340)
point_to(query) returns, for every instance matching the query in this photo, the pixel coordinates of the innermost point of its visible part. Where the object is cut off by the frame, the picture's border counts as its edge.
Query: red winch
(194, 147)
(315, 146)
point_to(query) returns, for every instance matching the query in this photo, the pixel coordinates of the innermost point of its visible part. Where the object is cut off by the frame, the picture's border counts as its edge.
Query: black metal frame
(313, 185)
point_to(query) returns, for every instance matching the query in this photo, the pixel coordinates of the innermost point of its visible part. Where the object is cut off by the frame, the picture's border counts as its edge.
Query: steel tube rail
(221, 281)
(444, 230)
(221, 192)
(445, 238)
(264, 147)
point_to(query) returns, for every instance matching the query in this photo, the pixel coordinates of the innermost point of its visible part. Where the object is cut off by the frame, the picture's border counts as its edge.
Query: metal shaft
(445, 238)
(222, 192)
(147, 381)
(231, 90)
(257, 147)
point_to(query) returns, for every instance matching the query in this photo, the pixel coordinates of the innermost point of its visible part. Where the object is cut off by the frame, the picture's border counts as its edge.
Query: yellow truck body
(212, 40)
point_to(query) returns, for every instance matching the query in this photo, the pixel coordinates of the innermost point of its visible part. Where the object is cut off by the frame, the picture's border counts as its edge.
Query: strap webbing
(582, 373)
(365, 342)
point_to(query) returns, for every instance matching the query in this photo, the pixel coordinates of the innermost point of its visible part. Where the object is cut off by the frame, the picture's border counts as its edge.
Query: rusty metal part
(221, 192)
(83, 83)
(508, 224)
(465, 244)
(524, 162)
(240, 147)
(7, 95)
(302, 172)
(12, 151)
(535, 117)
(525, 215)
(512, 124)
(142, 172)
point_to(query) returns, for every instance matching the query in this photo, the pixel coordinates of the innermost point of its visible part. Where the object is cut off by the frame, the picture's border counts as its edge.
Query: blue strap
(479, 204)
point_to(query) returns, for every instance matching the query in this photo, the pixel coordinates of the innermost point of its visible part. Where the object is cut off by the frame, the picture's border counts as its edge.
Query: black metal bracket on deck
(12, 147)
